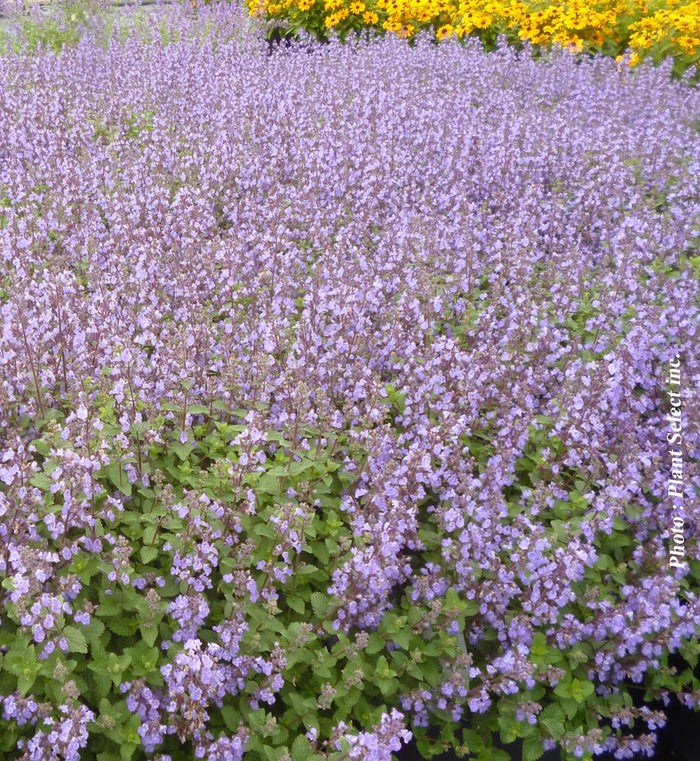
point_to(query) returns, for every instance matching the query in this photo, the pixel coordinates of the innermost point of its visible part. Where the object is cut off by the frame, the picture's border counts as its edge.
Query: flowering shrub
(333, 399)
(648, 29)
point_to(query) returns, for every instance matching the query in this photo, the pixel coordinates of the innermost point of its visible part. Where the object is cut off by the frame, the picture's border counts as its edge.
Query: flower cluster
(344, 365)
(671, 27)
(58, 739)
(380, 742)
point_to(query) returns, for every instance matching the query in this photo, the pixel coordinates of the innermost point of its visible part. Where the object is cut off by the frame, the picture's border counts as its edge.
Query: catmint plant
(334, 398)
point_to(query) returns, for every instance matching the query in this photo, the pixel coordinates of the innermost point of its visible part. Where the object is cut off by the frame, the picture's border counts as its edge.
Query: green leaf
(124, 627)
(148, 554)
(25, 682)
(41, 481)
(473, 740)
(402, 637)
(118, 477)
(231, 717)
(388, 686)
(143, 658)
(532, 748)
(508, 727)
(580, 690)
(42, 447)
(301, 748)
(149, 534)
(415, 614)
(571, 707)
(296, 604)
(263, 529)
(320, 552)
(552, 719)
(183, 451)
(376, 644)
(563, 689)
(149, 633)
(539, 645)
(76, 640)
(320, 604)
(272, 754)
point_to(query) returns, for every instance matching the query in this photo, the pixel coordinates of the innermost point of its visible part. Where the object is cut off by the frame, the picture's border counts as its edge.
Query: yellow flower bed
(650, 28)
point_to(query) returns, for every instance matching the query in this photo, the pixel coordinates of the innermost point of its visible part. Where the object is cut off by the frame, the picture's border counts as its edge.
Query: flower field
(655, 30)
(341, 389)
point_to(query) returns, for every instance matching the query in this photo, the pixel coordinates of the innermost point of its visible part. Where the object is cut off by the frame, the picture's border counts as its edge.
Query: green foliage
(52, 30)
(122, 642)
(62, 26)
(330, 676)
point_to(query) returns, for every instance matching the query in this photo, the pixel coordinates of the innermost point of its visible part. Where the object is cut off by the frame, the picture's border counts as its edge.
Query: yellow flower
(576, 25)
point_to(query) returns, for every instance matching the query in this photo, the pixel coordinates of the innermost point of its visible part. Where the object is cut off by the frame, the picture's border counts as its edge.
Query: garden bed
(347, 396)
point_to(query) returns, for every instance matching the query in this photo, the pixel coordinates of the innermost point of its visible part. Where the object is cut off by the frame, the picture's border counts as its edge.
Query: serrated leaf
(148, 554)
(571, 707)
(320, 604)
(183, 451)
(532, 748)
(297, 468)
(320, 552)
(563, 689)
(93, 630)
(375, 645)
(301, 748)
(580, 690)
(149, 534)
(388, 687)
(42, 447)
(539, 645)
(231, 717)
(296, 604)
(25, 682)
(414, 670)
(415, 614)
(552, 718)
(402, 637)
(125, 627)
(76, 640)
(149, 634)
(473, 740)
(41, 481)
